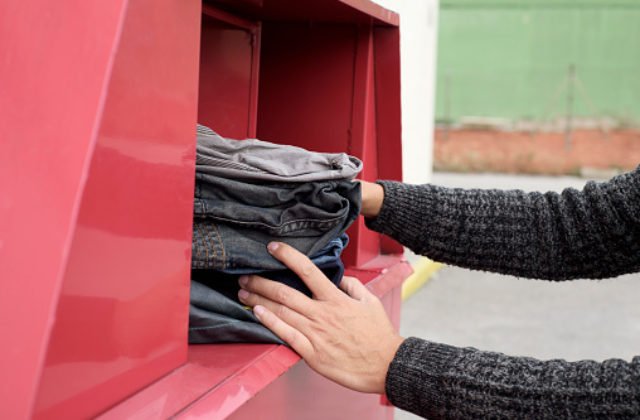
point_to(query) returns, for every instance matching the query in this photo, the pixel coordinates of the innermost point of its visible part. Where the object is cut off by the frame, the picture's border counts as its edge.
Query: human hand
(346, 337)
(372, 198)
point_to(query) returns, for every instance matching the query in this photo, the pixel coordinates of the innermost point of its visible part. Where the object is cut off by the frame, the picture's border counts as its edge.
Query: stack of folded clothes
(247, 194)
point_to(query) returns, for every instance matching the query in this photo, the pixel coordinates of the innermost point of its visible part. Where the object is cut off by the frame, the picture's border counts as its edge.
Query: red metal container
(98, 109)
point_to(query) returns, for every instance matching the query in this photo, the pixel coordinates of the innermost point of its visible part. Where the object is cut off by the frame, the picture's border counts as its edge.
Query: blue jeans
(216, 315)
(235, 220)
(227, 283)
(326, 257)
(216, 318)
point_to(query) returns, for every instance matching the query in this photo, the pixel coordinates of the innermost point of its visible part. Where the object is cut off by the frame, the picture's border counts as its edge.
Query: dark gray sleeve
(438, 381)
(593, 233)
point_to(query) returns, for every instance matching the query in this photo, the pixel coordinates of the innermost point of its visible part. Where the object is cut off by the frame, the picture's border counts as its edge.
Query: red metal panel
(306, 85)
(364, 12)
(303, 394)
(365, 243)
(222, 377)
(243, 386)
(374, 10)
(55, 61)
(229, 69)
(388, 115)
(122, 316)
(219, 380)
(228, 18)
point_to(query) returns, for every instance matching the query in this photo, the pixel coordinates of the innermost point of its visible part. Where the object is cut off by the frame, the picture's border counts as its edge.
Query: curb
(423, 270)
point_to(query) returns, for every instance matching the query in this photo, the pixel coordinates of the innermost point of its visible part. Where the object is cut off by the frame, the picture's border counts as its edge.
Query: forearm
(440, 381)
(593, 233)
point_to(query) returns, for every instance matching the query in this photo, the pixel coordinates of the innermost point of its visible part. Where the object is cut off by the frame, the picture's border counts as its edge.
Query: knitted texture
(438, 381)
(593, 233)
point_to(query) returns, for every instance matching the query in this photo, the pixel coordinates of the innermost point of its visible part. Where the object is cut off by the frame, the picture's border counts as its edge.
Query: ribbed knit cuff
(389, 202)
(404, 209)
(414, 378)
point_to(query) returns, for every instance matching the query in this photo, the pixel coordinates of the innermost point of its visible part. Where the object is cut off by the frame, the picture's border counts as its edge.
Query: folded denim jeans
(325, 257)
(258, 160)
(227, 283)
(216, 318)
(234, 220)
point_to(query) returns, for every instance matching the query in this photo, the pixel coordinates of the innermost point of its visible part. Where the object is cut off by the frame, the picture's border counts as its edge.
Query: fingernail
(243, 294)
(243, 280)
(258, 310)
(273, 246)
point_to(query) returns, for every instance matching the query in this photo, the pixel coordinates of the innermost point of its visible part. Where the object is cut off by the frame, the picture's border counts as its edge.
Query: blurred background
(538, 86)
(538, 95)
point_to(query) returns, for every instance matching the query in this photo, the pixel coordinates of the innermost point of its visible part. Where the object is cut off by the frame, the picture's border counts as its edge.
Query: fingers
(316, 281)
(276, 292)
(286, 332)
(352, 287)
(286, 314)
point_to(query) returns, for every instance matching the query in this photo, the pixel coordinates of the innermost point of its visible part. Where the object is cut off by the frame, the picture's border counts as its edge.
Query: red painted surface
(97, 120)
(374, 10)
(303, 394)
(122, 314)
(292, 110)
(54, 66)
(225, 375)
(363, 137)
(256, 381)
(229, 74)
(343, 11)
(253, 378)
(388, 112)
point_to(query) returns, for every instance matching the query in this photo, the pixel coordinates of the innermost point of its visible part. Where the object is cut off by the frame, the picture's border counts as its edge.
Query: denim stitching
(201, 243)
(305, 222)
(198, 242)
(217, 232)
(207, 231)
(211, 261)
(206, 243)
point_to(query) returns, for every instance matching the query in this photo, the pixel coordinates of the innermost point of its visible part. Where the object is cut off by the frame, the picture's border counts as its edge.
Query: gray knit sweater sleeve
(593, 233)
(437, 381)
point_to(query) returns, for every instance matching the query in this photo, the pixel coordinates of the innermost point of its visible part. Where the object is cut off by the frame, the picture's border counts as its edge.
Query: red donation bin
(98, 111)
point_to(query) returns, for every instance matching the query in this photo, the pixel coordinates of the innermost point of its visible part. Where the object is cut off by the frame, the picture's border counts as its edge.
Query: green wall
(510, 59)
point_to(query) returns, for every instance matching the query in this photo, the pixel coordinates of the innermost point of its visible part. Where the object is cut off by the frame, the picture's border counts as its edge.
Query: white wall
(418, 35)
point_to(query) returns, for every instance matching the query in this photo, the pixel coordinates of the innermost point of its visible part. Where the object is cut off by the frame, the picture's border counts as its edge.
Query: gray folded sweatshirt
(593, 233)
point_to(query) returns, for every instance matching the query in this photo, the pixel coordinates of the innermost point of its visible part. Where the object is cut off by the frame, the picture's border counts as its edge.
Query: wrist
(372, 199)
(387, 357)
